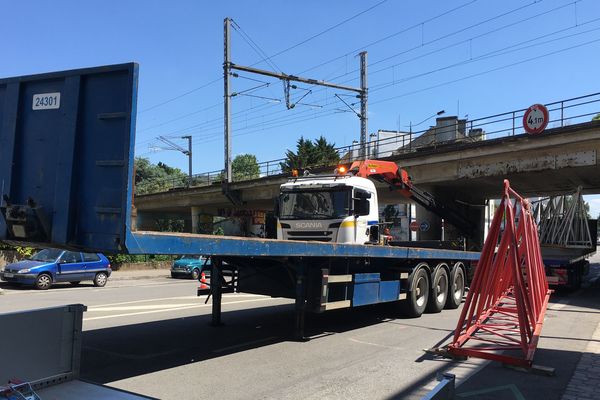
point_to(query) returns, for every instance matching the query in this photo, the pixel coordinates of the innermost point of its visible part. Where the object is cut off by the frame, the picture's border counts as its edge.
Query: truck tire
(456, 288)
(438, 292)
(43, 281)
(100, 279)
(416, 299)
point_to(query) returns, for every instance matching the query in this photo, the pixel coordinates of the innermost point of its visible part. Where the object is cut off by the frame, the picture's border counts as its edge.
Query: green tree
(245, 166)
(310, 154)
(151, 178)
(596, 117)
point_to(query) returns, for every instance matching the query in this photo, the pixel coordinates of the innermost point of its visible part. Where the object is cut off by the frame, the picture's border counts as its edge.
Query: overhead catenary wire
(498, 68)
(302, 42)
(309, 39)
(418, 47)
(490, 54)
(476, 74)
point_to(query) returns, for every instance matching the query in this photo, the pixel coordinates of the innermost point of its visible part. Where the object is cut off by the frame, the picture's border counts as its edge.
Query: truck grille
(313, 236)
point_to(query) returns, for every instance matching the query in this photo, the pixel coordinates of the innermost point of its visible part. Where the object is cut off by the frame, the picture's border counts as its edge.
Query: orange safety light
(341, 170)
(295, 173)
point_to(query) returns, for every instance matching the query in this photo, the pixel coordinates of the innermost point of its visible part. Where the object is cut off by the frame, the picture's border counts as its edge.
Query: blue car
(55, 265)
(190, 267)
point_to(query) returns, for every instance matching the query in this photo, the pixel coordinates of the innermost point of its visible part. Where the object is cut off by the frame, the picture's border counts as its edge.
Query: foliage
(245, 166)
(23, 252)
(218, 231)
(596, 117)
(151, 178)
(170, 225)
(310, 154)
(117, 259)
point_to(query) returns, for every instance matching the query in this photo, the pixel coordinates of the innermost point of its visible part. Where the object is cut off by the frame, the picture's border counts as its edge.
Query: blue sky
(178, 45)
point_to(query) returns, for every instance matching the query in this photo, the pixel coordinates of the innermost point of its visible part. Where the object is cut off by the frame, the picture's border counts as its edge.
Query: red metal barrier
(506, 303)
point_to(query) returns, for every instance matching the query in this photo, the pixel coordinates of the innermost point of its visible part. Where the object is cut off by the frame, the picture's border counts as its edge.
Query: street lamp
(431, 116)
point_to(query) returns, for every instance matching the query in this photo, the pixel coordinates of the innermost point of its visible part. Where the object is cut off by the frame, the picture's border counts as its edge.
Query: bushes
(116, 260)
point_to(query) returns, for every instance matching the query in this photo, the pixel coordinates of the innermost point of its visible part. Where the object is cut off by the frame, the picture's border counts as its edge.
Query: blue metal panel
(72, 165)
(389, 291)
(366, 289)
(368, 277)
(174, 243)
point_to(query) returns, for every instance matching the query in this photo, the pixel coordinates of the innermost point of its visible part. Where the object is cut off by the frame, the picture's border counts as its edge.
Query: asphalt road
(152, 336)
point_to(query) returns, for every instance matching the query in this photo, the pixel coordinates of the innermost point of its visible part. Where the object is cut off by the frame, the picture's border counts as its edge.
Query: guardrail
(561, 113)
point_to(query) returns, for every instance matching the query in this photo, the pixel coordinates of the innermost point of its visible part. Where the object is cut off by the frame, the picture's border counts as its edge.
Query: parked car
(190, 267)
(54, 265)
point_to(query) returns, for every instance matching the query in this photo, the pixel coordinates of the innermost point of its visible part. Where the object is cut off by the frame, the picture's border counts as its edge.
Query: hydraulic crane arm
(388, 172)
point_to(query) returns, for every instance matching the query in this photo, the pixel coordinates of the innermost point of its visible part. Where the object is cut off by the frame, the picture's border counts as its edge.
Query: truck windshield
(46, 255)
(314, 204)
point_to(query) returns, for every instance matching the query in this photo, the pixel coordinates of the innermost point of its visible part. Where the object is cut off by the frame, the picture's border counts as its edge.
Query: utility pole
(189, 154)
(227, 99)
(174, 146)
(363, 103)
(228, 66)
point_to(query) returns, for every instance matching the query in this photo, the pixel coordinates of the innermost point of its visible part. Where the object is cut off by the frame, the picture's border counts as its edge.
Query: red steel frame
(506, 304)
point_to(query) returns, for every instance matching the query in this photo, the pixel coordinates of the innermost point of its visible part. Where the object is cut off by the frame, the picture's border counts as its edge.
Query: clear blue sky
(179, 46)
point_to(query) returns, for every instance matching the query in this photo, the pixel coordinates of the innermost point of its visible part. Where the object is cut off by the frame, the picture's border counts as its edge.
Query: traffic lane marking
(172, 309)
(88, 287)
(233, 295)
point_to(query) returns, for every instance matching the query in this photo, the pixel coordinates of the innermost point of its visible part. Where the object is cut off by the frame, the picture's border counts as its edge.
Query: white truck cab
(334, 208)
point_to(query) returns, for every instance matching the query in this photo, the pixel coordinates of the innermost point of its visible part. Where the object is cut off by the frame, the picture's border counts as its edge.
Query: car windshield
(315, 204)
(47, 255)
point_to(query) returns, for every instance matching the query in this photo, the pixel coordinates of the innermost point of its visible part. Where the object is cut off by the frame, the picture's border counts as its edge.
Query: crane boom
(398, 179)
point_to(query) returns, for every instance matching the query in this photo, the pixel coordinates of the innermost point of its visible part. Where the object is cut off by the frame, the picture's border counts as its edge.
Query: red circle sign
(535, 119)
(414, 226)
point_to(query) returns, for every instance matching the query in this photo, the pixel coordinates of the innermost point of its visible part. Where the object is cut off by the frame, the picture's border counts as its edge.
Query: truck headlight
(23, 271)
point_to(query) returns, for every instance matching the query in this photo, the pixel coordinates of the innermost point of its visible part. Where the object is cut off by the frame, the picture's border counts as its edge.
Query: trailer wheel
(438, 291)
(456, 289)
(416, 300)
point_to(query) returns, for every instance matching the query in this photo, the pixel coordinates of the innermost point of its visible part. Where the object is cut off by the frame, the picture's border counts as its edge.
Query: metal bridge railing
(561, 113)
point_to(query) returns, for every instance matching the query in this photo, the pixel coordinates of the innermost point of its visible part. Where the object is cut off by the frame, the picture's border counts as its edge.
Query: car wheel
(173, 275)
(75, 283)
(195, 274)
(43, 282)
(100, 279)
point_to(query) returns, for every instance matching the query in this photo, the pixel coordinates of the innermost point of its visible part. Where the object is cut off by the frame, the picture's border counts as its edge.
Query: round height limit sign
(535, 119)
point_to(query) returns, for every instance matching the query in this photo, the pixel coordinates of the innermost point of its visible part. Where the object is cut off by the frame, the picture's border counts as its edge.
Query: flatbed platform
(148, 242)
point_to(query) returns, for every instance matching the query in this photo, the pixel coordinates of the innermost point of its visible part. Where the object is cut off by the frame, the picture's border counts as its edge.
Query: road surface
(152, 336)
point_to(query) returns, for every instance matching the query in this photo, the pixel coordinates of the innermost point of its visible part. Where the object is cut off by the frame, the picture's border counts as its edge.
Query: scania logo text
(309, 225)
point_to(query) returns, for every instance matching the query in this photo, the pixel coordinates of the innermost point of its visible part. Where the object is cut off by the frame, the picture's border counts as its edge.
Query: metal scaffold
(563, 221)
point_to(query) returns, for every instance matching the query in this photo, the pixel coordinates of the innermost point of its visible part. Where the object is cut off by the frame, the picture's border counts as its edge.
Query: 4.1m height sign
(535, 119)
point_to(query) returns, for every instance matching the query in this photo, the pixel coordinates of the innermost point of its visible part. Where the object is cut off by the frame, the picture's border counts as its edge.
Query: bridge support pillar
(202, 222)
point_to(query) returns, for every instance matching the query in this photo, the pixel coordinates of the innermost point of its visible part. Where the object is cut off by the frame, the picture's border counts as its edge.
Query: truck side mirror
(361, 206)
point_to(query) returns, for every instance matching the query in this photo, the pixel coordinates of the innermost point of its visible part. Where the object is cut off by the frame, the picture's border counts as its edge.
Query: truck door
(70, 267)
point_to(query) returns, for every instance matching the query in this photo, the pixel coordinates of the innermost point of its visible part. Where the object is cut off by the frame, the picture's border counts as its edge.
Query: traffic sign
(414, 226)
(535, 119)
(424, 226)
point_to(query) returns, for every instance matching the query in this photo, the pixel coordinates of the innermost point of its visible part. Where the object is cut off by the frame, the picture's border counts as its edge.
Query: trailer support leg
(216, 291)
(300, 301)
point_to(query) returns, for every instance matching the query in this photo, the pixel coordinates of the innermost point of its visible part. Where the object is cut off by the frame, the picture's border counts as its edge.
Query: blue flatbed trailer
(66, 180)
